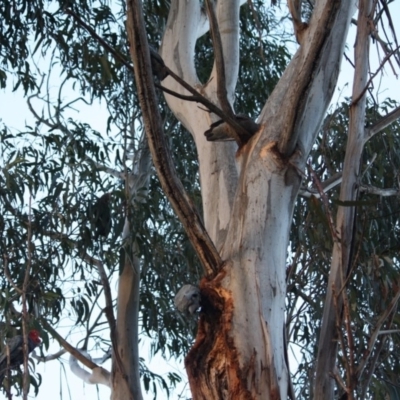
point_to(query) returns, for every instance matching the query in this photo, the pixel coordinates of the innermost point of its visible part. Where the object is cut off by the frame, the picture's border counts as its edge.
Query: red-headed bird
(13, 353)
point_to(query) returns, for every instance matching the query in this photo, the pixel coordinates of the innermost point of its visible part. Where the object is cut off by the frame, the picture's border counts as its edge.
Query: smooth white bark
(218, 173)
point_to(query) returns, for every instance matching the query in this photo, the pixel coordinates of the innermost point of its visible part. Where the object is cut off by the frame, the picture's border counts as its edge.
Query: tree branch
(197, 97)
(110, 171)
(25, 315)
(338, 319)
(326, 185)
(67, 346)
(49, 357)
(219, 60)
(379, 191)
(377, 352)
(376, 332)
(98, 38)
(298, 25)
(387, 57)
(389, 331)
(238, 131)
(350, 346)
(382, 123)
(304, 74)
(107, 294)
(324, 198)
(170, 182)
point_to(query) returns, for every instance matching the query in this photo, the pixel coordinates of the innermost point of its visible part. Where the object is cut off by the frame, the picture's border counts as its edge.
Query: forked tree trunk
(248, 195)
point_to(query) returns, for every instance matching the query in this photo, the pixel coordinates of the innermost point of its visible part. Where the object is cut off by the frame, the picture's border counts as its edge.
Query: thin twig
(357, 99)
(341, 336)
(390, 21)
(374, 360)
(326, 185)
(374, 336)
(49, 357)
(102, 42)
(350, 346)
(197, 97)
(339, 380)
(25, 385)
(379, 191)
(389, 331)
(89, 330)
(324, 198)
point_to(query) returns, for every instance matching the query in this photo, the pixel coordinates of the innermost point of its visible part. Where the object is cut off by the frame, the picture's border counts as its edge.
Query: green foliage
(375, 253)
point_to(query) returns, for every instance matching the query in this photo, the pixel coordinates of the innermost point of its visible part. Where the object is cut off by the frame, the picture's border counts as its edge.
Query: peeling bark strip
(162, 159)
(313, 41)
(219, 60)
(213, 363)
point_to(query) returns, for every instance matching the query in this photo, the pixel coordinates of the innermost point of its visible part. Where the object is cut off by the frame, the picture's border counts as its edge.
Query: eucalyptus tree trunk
(248, 193)
(126, 383)
(341, 257)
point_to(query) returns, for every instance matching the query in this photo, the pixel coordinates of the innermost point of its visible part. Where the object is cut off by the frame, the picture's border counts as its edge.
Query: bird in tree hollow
(100, 216)
(220, 130)
(13, 353)
(157, 65)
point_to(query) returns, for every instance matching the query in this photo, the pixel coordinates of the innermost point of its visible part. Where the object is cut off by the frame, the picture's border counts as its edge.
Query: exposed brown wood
(213, 359)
